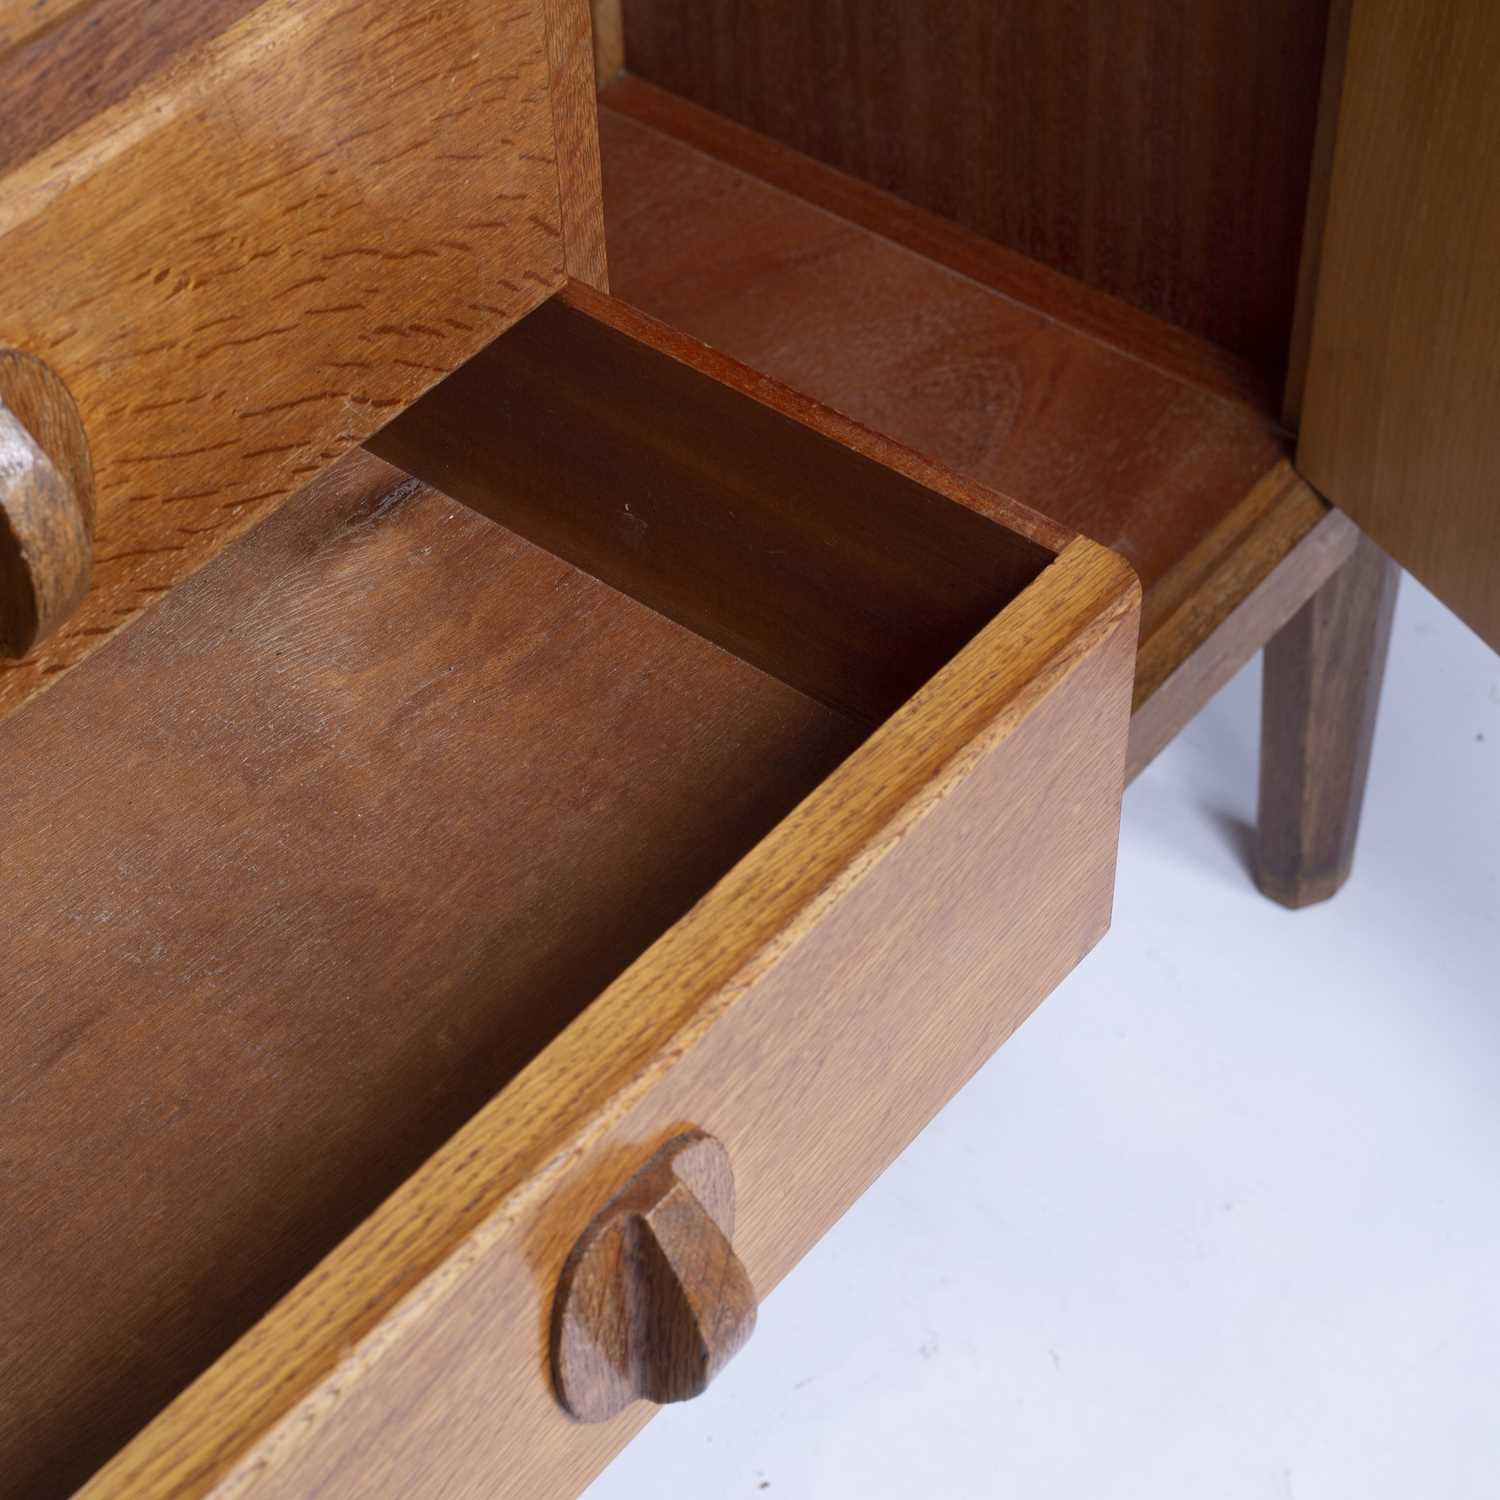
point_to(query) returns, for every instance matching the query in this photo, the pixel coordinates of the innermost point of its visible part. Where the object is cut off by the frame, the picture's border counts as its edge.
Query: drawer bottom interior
(309, 864)
(327, 860)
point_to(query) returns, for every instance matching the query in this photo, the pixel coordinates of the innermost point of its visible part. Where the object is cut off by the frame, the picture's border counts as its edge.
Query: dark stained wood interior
(1157, 149)
(819, 552)
(1124, 448)
(298, 873)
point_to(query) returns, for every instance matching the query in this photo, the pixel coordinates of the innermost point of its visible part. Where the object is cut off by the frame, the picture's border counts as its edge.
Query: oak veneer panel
(298, 874)
(245, 266)
(817, 551)
(67, 72)
(1157, 149)
(62, 63)
(1399, 423)
(811, 1012)
(1143, 461)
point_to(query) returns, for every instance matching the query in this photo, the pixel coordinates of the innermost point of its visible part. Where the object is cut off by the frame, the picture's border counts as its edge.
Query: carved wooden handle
(46, 504)
(653, 1301)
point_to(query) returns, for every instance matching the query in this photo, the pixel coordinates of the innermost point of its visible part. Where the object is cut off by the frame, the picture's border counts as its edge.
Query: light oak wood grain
(836, 986)
(79, 59)
(247, 265)
(323, 591)
(1399, 421)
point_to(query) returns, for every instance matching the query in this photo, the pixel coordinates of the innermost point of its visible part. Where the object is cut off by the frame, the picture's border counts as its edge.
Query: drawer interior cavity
(307, 866)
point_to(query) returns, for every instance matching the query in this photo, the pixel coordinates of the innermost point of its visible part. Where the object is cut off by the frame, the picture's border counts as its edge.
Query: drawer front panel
(811, 1013)
(254, 260)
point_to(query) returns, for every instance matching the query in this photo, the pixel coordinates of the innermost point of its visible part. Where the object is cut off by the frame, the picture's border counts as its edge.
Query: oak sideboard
(579, 587)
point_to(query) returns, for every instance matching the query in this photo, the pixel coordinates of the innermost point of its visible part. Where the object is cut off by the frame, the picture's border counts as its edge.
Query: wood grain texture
(820, 553)
(1320, 695)
(653, 1301)
(1158, 151)
(1330, 102)
(1403, 383)
(1190, 601)
(299, 873)
(1142, 461)
(1244, 609)
(1158, 455)
(46, 504)
(20, 19)
(575, 120)
(279, 255)
(837, 985)
(1064, 299)
(65, 62)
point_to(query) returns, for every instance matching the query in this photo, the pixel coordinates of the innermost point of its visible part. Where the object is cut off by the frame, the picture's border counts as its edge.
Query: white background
(1223, 1219)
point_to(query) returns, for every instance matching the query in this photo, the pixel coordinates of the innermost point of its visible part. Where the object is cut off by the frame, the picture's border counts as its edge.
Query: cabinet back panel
(1156, 149)
(734, 507)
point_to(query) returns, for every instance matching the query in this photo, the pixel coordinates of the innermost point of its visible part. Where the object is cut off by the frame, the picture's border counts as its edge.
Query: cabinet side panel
(1399, 423)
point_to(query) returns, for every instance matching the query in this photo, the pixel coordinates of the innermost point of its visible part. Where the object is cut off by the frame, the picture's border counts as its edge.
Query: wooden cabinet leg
(1322, 686)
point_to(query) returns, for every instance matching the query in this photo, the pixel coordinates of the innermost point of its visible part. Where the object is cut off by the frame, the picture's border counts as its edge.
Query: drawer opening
(309, 864)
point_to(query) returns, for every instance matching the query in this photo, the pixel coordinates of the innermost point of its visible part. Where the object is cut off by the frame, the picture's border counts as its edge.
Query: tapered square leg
(1323, 672)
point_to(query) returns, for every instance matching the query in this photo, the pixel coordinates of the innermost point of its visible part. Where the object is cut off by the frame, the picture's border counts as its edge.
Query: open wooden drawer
(384, 899)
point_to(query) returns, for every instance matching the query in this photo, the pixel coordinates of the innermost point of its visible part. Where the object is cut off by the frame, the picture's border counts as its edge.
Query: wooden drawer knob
(653, 1301)
(46, 504)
